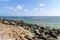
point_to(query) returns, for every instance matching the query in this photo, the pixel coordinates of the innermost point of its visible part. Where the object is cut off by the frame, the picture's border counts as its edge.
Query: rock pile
(19, 30)
(8, 32)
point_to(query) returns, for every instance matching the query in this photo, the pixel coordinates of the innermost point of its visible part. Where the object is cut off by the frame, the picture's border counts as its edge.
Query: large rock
(8, 32)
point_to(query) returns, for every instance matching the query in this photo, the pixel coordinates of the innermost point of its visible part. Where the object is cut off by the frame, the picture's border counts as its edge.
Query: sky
(29, 7)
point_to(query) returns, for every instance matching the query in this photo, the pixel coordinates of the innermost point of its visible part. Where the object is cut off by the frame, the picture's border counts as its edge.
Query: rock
(6, 22)
(8, 32)
(12, 23)
(18, 30)
(28, 33)
(52, 38)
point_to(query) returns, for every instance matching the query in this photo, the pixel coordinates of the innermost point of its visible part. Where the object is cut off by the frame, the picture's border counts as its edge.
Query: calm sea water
(53, 22)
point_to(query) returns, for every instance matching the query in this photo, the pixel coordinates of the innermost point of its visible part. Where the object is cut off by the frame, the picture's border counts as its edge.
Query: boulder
(10, 32)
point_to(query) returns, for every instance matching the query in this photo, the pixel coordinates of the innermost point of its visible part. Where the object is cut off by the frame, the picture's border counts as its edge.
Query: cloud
(19, 7)
(51, 12)
(35, 9)
(26, 10)
(41, 9)
(41, 5)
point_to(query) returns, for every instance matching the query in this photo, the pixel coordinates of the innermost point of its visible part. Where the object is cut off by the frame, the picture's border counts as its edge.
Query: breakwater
(39, 32)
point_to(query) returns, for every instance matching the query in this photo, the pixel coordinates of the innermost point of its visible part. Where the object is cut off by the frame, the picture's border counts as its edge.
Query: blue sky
(29, 7)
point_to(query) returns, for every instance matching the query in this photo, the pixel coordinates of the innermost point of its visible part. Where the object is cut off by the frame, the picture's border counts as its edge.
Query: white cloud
(19, 7)
(51, 12)
(26, 10)
(41, 9)
(41, 5)
(35, 9)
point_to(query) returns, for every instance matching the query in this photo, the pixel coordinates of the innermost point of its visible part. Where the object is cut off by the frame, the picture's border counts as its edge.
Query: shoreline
(40, 32)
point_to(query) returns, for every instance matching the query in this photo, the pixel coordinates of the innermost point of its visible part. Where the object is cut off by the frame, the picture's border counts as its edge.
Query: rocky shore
(19, 30)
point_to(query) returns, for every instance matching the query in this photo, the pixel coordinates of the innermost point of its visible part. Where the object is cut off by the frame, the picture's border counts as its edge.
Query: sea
(45, 21)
